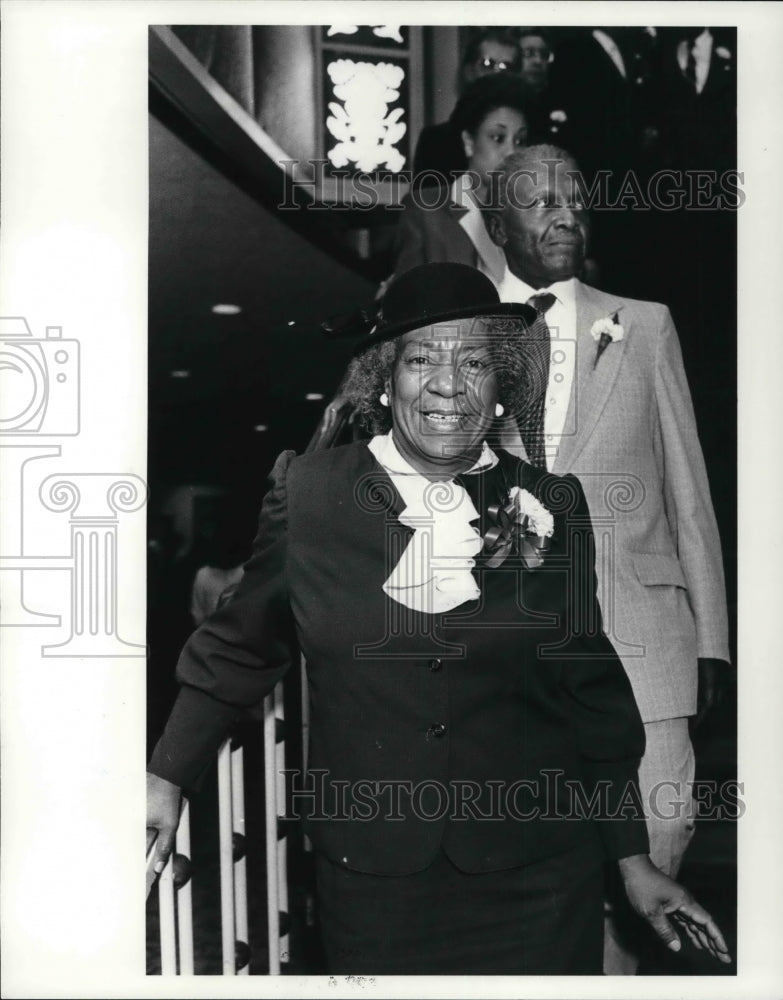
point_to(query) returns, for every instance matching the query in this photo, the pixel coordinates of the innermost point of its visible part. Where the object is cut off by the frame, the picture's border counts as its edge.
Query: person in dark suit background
(421, 672)
(439, 148)
(694, 98)
(546, 110)
(601, 78)
(693, 102)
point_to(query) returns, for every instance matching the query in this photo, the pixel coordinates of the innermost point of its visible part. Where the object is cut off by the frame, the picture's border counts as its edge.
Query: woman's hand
(163, 809)
(656, 898)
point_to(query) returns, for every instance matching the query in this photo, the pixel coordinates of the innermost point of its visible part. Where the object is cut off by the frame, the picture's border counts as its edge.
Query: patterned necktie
(531, 420)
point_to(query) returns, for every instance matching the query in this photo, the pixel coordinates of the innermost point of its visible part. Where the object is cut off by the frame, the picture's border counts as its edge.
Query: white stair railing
(174, 888)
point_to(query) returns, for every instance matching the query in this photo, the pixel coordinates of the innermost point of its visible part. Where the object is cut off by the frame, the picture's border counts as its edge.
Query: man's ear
(467, 143)
(496, 228)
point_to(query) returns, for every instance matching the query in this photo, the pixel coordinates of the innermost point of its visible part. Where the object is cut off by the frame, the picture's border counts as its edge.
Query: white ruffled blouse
(434, 572)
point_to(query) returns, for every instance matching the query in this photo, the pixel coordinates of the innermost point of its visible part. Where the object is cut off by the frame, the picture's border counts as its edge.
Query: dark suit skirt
(543, 919)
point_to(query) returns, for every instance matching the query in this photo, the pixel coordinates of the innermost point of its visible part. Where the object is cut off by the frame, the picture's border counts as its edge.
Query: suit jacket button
(436, 664)
(437, 730)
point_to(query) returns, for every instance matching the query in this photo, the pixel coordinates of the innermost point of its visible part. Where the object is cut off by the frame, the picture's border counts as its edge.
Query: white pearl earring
(499, 409)
(384, 399)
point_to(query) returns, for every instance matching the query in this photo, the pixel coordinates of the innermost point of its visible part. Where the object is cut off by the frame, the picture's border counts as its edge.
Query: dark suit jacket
(431, 236)
(601, 105)
(697, 131)
(502, 701)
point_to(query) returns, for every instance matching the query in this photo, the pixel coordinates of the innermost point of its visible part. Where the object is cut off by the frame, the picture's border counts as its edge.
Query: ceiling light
(261, 427)
(314, 397)
(180, 373)
(292, 322)
(226, 309)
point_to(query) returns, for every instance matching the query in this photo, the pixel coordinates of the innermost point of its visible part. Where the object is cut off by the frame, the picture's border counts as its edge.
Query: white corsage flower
(539, 520)
(722, 52)
(558, 115)
(605, 331)
(523, 519)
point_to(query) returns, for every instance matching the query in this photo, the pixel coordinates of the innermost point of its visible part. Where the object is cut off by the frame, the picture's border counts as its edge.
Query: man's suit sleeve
(687, 499)
(605, 721)
(238, 655)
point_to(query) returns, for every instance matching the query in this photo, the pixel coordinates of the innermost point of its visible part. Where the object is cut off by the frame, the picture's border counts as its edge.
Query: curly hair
(519, 376)
(368, 376)
(487, 94)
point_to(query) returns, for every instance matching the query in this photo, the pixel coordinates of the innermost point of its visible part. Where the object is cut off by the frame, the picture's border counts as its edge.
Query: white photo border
(74, 250)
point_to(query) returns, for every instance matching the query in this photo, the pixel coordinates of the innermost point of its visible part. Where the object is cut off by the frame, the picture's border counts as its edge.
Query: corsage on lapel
(524, 518)
(605, 331)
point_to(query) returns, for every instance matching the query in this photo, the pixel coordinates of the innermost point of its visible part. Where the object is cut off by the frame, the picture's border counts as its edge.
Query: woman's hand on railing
(164, 802)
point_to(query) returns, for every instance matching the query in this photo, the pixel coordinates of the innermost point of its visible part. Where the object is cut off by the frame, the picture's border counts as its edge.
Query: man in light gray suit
(618, 414)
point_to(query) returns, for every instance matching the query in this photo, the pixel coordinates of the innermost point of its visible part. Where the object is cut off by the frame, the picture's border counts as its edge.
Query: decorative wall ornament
(365, 129)
(390, 31)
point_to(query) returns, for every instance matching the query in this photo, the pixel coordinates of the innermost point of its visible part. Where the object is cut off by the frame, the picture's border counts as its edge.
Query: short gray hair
(519, 380)
(522, 160)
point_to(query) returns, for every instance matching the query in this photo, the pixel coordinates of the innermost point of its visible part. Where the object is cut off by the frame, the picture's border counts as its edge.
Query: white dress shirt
(609, 46)
(434, 573)
(702, 54)
(561, 320)
(491, 259)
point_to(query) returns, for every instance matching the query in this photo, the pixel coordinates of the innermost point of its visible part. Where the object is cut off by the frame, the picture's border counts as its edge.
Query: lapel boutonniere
(525, 518)
(605, 331)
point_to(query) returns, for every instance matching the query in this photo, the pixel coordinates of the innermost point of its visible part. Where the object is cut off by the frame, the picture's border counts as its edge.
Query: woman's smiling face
(442, 394)
(502, 131)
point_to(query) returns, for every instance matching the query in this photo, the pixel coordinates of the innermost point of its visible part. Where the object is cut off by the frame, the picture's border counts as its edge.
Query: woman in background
(444, 223)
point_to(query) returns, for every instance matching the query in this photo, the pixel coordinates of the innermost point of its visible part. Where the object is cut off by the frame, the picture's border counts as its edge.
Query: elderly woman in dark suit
(474, 738)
